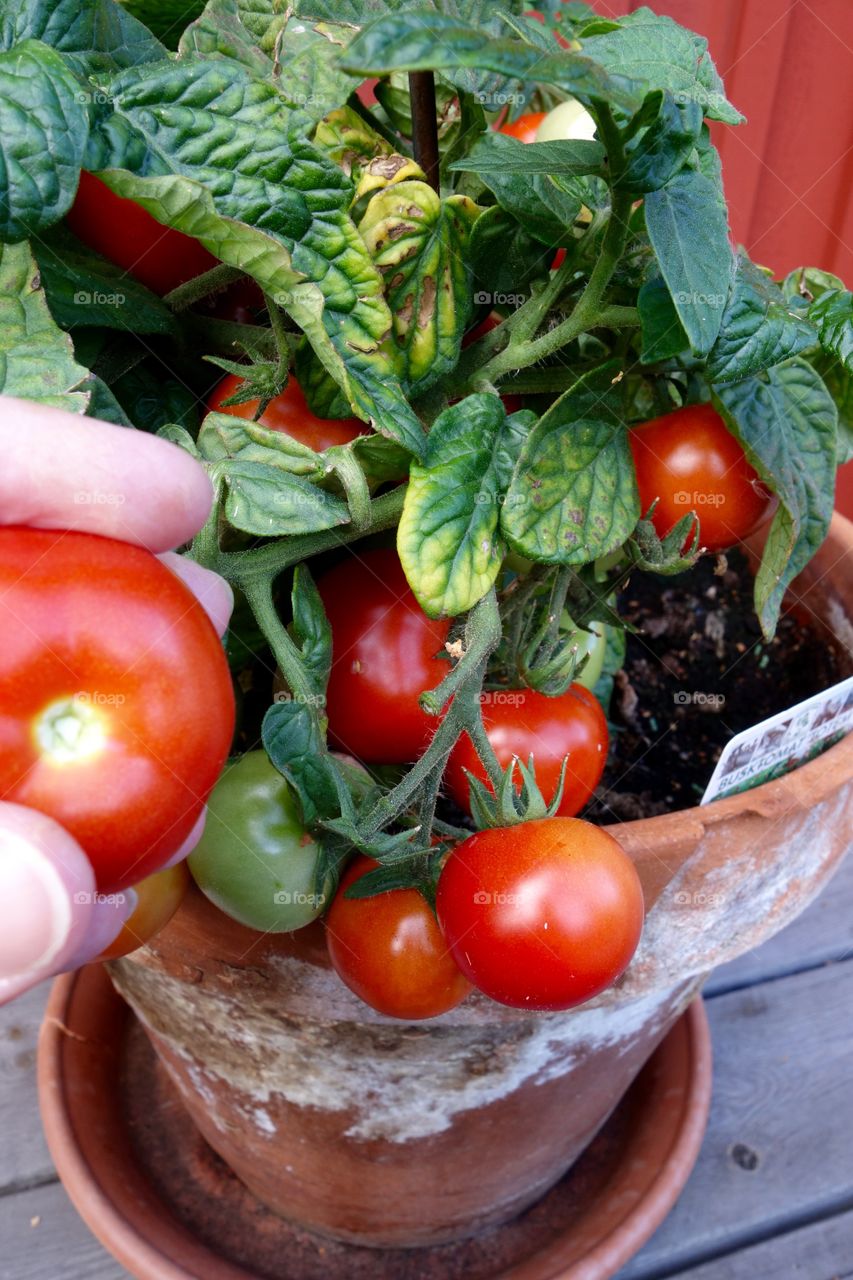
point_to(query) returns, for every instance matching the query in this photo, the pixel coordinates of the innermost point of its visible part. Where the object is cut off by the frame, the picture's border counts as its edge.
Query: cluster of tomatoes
(542, 915)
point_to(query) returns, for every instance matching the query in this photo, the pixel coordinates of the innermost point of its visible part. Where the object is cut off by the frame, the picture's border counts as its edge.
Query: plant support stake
(424, 123)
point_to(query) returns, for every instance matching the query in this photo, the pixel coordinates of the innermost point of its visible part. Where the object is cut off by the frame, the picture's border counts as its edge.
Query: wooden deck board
(782, 1025)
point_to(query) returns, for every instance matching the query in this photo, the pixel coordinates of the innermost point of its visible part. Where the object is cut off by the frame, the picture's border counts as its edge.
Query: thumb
(51, 916)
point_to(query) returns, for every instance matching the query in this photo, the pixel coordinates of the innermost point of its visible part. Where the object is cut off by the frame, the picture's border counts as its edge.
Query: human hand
(51, 917)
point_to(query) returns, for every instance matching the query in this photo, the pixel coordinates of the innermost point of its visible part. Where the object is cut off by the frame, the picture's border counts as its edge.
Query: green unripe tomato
(592, 643)
(569, 119)
(256, 861)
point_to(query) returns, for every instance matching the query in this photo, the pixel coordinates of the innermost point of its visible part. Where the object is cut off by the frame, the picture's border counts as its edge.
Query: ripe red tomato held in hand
(159, 898)
(389, 950)
(121, 230)
(116, 703)
(290, 414)
(543, 915)
(384, 651)
(521, 722)
(689, 461)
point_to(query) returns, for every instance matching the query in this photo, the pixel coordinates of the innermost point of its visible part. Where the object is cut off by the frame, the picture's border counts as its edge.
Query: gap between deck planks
(783, 1042)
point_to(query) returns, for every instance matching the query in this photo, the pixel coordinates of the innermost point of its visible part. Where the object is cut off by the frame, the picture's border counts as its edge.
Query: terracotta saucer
(168, 1208)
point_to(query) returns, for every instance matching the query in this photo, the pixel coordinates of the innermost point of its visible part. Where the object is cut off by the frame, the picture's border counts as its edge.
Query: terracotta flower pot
(383, 1133)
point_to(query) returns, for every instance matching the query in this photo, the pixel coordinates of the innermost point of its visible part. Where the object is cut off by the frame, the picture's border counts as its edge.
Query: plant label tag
(783, 742)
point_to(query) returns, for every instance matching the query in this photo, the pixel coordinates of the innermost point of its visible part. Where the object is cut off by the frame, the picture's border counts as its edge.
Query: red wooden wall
(788, 172)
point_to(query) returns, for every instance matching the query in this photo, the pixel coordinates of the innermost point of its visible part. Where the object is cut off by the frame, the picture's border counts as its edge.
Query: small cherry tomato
(389, 950)
(384, 655)
(522, 722)
(121, 230)
(290, 414)
(116, 702)
(524, 128)
(689, 461)
(543, 915)
(159, 898)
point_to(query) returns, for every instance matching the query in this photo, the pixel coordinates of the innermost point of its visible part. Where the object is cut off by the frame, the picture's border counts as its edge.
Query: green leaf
(832, 316)
(226, 437)
(786, 423)
(759, 329)
(448, 534)
(656, 53)
(505, 259)
(573, 496)
(219, 155)
(301, 58)
(94, 35)
(839, 384)
(153, 398)
(688, 229)
(661, 148)
(496, 153)
(36, 357)
(293, 742)
(311, 629)
(43, 127)
(84, 289)
(270, 503)
(420, 244)
(662, 331)
(322, 393)
(425, 41)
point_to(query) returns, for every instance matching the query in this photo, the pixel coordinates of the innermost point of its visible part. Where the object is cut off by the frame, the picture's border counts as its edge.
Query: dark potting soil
(696, 673)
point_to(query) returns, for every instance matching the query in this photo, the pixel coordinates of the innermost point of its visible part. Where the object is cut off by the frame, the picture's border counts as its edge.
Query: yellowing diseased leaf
(419, 242)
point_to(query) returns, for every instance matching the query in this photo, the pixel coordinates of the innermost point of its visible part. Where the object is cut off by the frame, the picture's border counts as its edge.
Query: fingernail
(35, 909)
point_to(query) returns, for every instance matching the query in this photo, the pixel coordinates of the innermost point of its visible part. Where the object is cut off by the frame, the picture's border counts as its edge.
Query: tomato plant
(544, 915)
(389, 950)
(159, 898)
(255, 860)
(117, 707)
(157, 256)
(384, 656)
(289, 413)
(522, 722)
(364, 224)
(688, 461)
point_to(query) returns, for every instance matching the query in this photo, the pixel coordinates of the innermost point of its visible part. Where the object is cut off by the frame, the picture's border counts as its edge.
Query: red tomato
(122, 231)
(690, 461)
(289, 413)
(159, 898)
(524, 128)
(116, 704)
(521, 722)
(390, 952)
(384, 657)
(544, 915)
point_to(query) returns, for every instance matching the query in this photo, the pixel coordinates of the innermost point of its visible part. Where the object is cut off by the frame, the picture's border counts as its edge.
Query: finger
(63, 471)
(191, 840)
(109, 913)
(213, 592)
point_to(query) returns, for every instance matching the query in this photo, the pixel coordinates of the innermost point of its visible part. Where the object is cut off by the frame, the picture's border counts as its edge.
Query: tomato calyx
(70, 731)
(509, 805)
